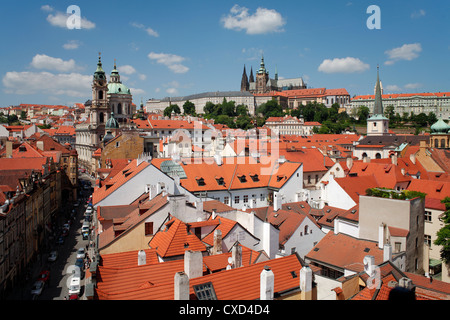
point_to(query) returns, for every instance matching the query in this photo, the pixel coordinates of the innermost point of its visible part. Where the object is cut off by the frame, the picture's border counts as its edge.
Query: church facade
(264, 84)
(109, 100)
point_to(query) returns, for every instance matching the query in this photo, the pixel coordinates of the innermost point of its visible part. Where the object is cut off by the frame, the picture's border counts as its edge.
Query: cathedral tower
(99, 112)
(244, 81)
(262, 77)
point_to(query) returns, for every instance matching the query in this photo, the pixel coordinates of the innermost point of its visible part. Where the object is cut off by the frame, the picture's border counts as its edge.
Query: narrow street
(56, 287)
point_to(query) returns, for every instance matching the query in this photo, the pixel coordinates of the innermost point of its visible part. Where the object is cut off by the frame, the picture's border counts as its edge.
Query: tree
(209, 108)
(172, 108)
(432, 118)
(244, 122)
(363, 114)
(443, 235)
(270, 109)
(421, 119)
(241, 110)
(23, 115)
(189, 108)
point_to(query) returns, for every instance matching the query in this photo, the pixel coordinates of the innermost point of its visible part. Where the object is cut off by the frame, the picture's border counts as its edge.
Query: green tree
(241, 110)
(209, 108)
(189, 108)
(421, 119)
(23, 115)
(443, 235)
(363, 114)
(432, 118)
(244, 122)
(270, 109)
(173, 107)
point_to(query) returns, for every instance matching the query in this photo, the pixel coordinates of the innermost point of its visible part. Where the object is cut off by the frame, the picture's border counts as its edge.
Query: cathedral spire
(244, 81)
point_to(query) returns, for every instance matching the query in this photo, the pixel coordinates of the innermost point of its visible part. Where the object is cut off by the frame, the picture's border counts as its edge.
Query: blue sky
(175, 48)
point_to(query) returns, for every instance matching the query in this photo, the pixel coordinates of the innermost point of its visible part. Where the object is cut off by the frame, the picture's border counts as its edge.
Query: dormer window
(242, 178)
(200, 181)
(255, 177)
(220, 181)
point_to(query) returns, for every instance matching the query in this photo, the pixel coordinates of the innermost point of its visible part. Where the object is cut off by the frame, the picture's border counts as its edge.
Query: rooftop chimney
(181, 286)
(217, 246)
(387, 252)
(142, 258)
(369, 265)
(267, 281)
(394, 159)
(349, 162)
(236, 255)
(193, 264)
(40, 145)
(306, 283)
(412, 157)
(381, 235)
(276, 201)
(405, 283)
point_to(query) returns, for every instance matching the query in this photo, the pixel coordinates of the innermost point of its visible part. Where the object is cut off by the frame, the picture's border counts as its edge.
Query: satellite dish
(230, 260)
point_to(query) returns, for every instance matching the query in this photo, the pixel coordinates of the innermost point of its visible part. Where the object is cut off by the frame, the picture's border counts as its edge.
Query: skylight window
(220, 181)
(205, 291)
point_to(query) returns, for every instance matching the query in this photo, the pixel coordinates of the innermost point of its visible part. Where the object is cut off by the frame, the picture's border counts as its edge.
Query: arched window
(119, 108)
(436, 143)
(100, 95)
(442, 143)
(378, 156)
(102, 117)
(364, 155)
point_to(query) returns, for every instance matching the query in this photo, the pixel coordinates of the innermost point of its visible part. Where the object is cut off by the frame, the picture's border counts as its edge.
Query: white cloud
(418, 14)
(149, 31)
(172, 91)
(127, 69)
(42, 61)
(413, 85)
(59, 19)
(261, 22)
(137, 92)
(406, 52)
(343, 65)
(47, 8)
(142, 77)
(72, 45)
(73, 84)
(393, 88)
(172, 61)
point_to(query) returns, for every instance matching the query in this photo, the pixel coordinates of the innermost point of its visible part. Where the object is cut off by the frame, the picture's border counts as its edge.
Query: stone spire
(378, 103)
(244, 82)
(251, 79)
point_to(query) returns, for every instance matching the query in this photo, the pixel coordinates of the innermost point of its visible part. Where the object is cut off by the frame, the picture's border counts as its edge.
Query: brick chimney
(236, 255)
(181, 286)
(217, 246)
(306, 283)
(193, 264)
(142, 258)
(267, 282)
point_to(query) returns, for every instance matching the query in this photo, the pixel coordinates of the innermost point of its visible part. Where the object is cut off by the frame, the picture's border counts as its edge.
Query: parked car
(37, 288)
(60, 240)
(85, 235)
(74, 287)
(88, 210)
(81, 253)
(44, 276)
(73, 296)
(80, 263)
(53, 256)
(65, 232)
(66, 226)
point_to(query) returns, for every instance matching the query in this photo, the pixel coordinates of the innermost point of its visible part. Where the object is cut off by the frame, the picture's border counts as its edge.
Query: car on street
(53, 256)
(65, 232)
(74, 287)
(80, 263)
(85, 234)
(81, 253)
(66, 226)
(37, 288)
(73, 296)
(44, 276)
(88, 210)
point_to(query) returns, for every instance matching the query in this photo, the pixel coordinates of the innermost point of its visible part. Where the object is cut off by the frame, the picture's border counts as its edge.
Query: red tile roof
(356, 186)
(156, 282)
(175, 239)
(342, 250)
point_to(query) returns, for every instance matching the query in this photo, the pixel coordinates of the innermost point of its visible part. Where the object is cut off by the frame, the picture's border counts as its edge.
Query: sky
(178, 48)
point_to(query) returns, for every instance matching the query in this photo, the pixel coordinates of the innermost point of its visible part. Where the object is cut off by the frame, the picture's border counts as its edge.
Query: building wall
(404, 214)
(129, 145)
(301, 241)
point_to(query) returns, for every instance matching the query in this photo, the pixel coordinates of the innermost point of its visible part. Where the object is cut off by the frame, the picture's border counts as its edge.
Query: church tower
(244, 82)
(262, 77)
(99, 112)
(378, 124)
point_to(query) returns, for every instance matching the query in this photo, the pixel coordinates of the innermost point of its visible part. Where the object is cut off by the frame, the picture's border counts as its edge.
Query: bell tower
(262, 77)
(100, 112)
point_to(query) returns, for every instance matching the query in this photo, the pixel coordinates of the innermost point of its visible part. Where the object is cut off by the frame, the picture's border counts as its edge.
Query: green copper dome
(440, 127)
(99, 74)
(118, 88)
(112, 123)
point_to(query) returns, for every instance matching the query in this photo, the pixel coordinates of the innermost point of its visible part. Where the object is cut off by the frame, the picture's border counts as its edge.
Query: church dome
(118, 88)
(440, 127)
(108, 137)
(112, 123)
